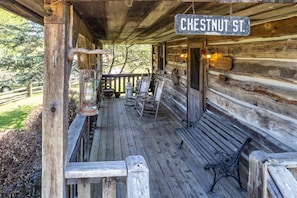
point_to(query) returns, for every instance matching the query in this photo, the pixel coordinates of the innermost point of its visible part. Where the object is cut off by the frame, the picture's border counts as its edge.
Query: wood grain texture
(172, 172)
(55, 101)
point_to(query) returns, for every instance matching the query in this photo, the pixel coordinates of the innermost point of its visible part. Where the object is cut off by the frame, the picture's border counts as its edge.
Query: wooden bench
(217, 144)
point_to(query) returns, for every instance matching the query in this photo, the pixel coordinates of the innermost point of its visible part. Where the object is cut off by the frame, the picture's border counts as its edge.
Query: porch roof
(148, 21)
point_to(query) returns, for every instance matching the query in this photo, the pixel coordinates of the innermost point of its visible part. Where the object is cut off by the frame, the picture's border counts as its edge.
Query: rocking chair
(141, 90)
(150, 104)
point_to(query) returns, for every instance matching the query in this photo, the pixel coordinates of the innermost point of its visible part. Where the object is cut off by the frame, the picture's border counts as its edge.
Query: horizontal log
(272, 124)
(274, 68)
(265, 96)
(263, 49)
(272, 28)
(287, 159)
(288, 85)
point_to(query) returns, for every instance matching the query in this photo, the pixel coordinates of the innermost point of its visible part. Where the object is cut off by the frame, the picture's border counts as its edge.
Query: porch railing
(80, 173)
(272, 175)
(118, 82)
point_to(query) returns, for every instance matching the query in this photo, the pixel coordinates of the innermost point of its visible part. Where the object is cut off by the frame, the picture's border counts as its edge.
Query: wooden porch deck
(174, 172)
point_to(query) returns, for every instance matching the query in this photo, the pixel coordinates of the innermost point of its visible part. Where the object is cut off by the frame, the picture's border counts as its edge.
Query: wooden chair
(150, 104)
(107, 91)
(141, 90)
(144, 86)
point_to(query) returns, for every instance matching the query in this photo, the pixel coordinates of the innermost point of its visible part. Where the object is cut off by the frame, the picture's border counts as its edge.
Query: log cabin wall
(260, 89)
(174, 73)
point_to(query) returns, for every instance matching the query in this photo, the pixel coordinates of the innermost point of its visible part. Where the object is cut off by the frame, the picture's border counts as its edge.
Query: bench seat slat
(217, 139)
(196, 145)
(186, 135)
(227, 127)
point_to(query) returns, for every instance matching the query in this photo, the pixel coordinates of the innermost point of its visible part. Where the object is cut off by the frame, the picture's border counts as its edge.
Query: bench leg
(226, 174)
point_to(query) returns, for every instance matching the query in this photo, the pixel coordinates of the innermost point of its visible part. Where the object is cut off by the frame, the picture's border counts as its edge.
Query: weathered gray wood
(95, 169)
(138, 177)
(269, 176)
(134, 168)
(284, 180)
(173, 172)
(74, 134)
(212, 134)
(259, 119)
(152, 21)
(188, 188)
(251, 91)
(257, 183)
(84, 188)
(109, 187)
(195, 98)
(55, 101)
(273, 190)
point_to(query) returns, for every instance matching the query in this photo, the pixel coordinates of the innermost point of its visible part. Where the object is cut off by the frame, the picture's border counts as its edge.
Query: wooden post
(55, 99)
(138, 177)
(257, 184)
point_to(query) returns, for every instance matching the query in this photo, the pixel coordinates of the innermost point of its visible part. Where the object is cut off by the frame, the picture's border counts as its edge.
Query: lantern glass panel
(88, 85)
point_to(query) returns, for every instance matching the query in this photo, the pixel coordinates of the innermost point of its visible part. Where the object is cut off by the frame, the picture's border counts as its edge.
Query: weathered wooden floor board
(174, 172)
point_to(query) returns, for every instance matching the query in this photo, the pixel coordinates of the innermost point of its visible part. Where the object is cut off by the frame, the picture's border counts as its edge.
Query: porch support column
(55, 99)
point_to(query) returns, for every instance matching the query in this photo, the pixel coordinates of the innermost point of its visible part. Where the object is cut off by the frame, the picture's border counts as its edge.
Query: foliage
(127, 59)
(20, 155)
(21, 47)
(20, 164)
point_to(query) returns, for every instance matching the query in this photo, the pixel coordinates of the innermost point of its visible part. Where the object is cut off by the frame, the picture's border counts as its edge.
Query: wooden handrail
(270, 175)
(79, 173)
(77, 129)
(134, 169)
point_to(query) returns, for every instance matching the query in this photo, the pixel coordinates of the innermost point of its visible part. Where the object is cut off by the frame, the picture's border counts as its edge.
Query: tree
(21, 47)
(128, 59)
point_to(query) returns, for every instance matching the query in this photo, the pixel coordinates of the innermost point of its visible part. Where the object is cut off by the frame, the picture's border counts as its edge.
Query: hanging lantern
(88, 80)
(88, 85)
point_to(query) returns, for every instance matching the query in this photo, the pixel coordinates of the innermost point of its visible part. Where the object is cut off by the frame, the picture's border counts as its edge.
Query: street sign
(212, 25)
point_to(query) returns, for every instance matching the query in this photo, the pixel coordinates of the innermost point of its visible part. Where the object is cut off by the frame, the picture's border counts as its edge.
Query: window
(195, 68)
(161, 57)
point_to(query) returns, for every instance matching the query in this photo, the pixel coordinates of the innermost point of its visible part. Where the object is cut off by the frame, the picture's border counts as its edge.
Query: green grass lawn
(13, 115)
(14, 119)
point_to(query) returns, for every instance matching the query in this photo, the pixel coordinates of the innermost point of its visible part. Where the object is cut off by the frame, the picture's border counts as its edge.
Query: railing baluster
(118, 81)
(84, 188)
(119, 85)
(109, 187)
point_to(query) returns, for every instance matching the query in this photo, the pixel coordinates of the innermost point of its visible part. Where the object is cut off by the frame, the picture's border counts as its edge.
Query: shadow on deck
(174, 172)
